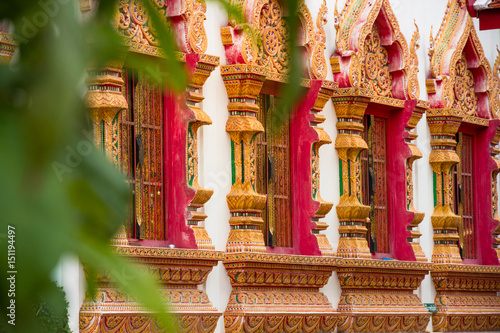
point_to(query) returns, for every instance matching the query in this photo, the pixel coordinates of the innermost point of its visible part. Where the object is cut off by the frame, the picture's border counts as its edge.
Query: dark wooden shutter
(464, 194)
(142, 157)
(374, 182)
(273, 175)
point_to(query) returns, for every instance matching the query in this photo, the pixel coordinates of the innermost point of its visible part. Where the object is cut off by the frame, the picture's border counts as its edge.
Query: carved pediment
(461, 77)
(372, 53)
(264, 42)
(185, 18)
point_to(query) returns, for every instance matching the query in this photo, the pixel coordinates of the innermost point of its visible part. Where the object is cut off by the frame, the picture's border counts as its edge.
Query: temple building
(373, 208)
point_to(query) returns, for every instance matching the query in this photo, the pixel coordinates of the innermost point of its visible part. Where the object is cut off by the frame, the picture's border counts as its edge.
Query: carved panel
(466, 298)
(278, 293)
(180, 273)
(377, 296)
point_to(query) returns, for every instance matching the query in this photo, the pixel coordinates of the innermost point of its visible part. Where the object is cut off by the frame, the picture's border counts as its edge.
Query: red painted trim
(470, 8)
(398, 152)
(177, 117)
(489, 19)
(485, 224)
(302, 136)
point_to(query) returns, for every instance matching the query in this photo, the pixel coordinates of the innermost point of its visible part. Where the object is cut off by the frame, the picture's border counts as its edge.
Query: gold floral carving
(375, 73)
(465, 98)
(180, 272)
(133, 23)
(266, 42)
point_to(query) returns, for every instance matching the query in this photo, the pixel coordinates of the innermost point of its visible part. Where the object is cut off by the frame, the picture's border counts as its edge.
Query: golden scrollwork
(465, 97)
(187, 18)
(375, 73)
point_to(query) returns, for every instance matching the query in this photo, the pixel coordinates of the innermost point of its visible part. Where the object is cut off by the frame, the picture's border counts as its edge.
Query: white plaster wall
(215, 150)
(215, 162)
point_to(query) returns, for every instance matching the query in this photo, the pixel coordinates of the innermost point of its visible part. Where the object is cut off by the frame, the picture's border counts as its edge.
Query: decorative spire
(431, 45)
(336, 17)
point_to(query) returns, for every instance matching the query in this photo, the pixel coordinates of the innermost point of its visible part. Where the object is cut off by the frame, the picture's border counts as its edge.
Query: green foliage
(52, 320)
(58, 191)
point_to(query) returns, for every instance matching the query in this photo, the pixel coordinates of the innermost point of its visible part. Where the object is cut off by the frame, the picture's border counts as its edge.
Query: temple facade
(373, 208)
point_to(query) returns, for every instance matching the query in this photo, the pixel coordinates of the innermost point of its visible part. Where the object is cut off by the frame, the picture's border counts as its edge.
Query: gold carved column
(324, 94)
(243, 84)
(104, 100)
(415, 154)
(349, 144)
(194, 96)
(443, 125)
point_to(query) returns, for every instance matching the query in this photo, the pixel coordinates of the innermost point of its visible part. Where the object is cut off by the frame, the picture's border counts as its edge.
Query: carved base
(278, 293)
(180, 273)
(202, 239)
(324, 245)
(383, 323)
(467, 298)
(377, 296)
(245, 240)
(140, 322)
(419, 253)
(280, 322)
(465, 323)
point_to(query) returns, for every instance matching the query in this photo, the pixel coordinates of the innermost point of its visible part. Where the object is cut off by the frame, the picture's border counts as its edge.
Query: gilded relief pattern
(375, 73)
(179, 272)
(133, 23)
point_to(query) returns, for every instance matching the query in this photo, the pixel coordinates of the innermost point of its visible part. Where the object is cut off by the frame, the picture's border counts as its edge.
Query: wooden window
(273, 176)
(142, 150)
(374, 183)
(464, 198)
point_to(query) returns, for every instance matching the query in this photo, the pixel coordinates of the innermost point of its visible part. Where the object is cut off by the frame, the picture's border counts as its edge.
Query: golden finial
(431, 44)
(336, 17)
